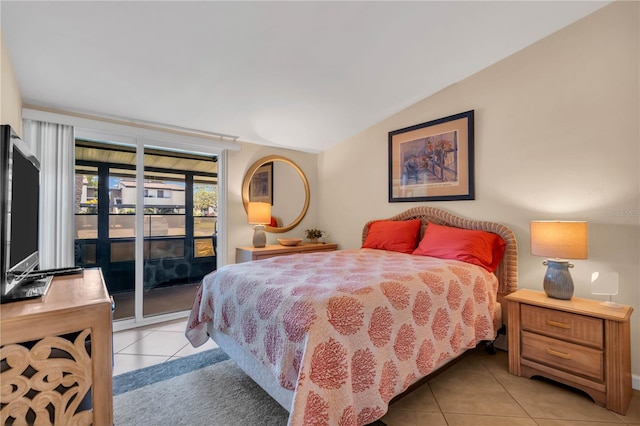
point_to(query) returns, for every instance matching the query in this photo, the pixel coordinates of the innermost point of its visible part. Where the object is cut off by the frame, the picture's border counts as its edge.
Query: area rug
(202, 389)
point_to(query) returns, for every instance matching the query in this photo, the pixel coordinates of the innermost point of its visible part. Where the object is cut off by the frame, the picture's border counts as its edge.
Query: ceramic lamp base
(558, 283)
(259, 237)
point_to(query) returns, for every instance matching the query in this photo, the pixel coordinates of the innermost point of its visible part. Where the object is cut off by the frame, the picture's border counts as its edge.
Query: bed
(335, 336)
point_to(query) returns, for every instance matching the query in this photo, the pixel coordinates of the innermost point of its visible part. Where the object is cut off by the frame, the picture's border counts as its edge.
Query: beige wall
(10, 98)
(239, 232)
(557, 136)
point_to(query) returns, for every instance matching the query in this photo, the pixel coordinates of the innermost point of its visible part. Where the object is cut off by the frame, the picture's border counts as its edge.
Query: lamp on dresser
(559, 241)
(259, 214)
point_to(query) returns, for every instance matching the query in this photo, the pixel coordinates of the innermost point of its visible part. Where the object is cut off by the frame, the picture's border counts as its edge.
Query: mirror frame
(247, 181)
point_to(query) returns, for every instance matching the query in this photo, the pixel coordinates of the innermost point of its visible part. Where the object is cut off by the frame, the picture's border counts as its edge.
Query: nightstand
(248, 253)
(577, 342)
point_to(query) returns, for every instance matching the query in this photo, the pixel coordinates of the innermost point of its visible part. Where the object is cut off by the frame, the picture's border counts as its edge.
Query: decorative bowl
(289, 241)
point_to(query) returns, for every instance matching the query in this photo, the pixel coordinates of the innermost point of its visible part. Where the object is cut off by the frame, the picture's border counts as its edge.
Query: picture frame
(433, 161)
(261, 185)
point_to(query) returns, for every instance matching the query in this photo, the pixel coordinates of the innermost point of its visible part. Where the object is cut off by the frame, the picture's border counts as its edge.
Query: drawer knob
(559, 354)
(558, 324)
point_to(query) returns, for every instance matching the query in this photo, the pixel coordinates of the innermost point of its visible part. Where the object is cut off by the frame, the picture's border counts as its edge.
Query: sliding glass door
(172, 202)
(179, 225)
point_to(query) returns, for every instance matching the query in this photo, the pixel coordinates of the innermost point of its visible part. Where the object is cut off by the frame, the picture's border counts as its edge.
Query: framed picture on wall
(261, 186)
(432, 161)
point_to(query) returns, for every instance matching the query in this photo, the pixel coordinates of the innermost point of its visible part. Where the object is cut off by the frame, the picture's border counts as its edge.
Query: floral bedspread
(348, 330)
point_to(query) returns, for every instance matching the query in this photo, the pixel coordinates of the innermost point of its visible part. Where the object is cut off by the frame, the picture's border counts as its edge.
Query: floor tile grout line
(135, 341)
(511, 394)
(489, 371)
(141, 355)
(147, 335)
(186, 344)
(535, 419)
(437, 403)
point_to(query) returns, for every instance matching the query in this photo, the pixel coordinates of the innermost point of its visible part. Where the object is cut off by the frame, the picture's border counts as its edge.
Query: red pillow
(477, 247)
(393, 235)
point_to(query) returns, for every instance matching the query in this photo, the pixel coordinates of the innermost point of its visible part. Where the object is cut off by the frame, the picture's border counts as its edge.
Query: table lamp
(559, 241)
(259, 214)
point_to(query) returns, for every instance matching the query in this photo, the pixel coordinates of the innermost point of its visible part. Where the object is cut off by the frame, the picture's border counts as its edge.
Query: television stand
(66, 339)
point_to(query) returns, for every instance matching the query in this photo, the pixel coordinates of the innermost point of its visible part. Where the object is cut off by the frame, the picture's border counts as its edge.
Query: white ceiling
(302, 75)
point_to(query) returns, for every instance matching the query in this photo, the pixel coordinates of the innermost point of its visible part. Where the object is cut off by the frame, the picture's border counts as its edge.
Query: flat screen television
(19, 201)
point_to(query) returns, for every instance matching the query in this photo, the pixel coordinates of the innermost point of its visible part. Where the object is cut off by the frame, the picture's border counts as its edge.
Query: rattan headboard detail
(507, 271)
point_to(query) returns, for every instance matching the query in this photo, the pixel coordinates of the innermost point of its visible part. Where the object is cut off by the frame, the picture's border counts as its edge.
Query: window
(164, 193)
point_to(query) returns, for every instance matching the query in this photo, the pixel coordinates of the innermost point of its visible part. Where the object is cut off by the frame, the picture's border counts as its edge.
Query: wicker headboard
(507, 271)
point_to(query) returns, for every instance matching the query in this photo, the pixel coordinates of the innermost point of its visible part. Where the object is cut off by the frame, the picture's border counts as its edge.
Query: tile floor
(476, 391)
(144, 346)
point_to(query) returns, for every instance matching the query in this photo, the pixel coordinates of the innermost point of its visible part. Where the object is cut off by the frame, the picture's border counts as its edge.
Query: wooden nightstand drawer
(575, 359)
(571, 327)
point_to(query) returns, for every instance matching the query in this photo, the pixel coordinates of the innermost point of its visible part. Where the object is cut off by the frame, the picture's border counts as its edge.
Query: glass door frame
(141, 143)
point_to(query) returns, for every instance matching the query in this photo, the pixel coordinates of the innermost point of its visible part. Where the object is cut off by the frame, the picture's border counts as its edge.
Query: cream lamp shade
(559, 241)
(259, 214)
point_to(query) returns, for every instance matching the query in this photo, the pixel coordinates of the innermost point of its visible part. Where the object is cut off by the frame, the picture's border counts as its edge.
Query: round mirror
(280, 182)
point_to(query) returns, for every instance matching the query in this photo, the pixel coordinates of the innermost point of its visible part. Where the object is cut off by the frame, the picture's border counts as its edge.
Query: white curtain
(54, 144)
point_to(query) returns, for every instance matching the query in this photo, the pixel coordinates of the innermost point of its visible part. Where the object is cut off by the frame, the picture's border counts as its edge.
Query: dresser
(578, 342)
(56, 347)
(249, 253)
